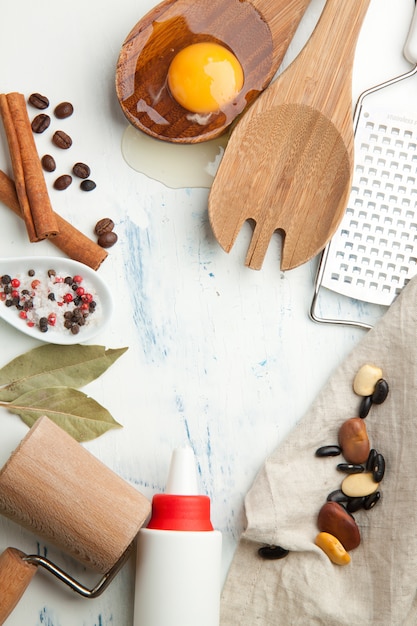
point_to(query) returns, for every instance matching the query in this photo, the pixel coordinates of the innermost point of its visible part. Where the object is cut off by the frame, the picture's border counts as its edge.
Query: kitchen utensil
(373, 254)
(53, 486)
(257, 32)
(19, 266)
(288, 164)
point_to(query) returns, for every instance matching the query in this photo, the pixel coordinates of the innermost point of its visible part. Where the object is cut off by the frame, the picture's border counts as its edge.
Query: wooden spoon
(288, 165)
(258, 33)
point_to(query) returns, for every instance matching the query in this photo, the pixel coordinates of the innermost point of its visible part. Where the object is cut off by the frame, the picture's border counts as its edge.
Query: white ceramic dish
(96, 322)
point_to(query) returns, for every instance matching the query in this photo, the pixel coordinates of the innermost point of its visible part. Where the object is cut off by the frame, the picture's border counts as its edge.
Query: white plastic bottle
(178, 568)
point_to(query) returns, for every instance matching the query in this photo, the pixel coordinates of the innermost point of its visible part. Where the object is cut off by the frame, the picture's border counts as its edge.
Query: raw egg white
(205, 76)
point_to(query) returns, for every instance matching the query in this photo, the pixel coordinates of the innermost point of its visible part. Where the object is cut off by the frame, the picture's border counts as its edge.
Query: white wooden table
(220, 357)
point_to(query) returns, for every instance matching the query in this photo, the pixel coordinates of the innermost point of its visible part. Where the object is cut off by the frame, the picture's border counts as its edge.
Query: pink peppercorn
(68, 297)
(80, 291)
(35, 283)
(15, 282)
(87, 297)
(52, 319)
(15, 293)
(77, 279)
(22, 315)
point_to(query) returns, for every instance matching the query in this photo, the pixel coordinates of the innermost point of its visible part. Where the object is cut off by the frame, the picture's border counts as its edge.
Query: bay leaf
(53, 365)
(78, 414)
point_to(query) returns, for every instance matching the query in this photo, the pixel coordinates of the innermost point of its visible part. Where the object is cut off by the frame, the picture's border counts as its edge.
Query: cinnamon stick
(31, 189)
(70, 240)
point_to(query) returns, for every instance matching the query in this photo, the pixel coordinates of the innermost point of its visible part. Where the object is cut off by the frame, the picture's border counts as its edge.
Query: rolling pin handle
(15, 576)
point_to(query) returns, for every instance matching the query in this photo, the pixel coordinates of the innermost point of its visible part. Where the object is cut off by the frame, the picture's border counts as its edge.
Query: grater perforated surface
(374, 252)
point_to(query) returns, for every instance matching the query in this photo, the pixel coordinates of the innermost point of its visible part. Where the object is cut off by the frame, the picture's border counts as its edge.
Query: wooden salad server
(257, 32)
(289, 163)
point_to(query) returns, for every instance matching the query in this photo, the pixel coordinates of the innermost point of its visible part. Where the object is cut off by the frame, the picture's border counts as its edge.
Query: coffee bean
(63, 110)
(273, 553)
(62, 182)
(38, 101)
(81, 170)
(40, 123)
(105, 225)
(48, 163)
(107, 240)
(62, 140)
(328, 451)
(88, 185)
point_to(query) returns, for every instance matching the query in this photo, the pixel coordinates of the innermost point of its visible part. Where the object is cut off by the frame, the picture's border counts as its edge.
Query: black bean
(81, 170)
(63, 110)
(371, 460)
(62, 182)
(371, 500)
(337, 496)
(365, 406)
(48, 163)
(272, 553)
(329, 451)
(38, 101)
(378, 469)
(40, 123)
(88, 185)
(350, 468)
(354, 504)
(62, 140)
(381, 391)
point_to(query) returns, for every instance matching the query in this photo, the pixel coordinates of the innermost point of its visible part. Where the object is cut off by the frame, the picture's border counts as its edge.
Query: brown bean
(81, 170)
(334, 519)
(107, 240)
(63, 110)
(38, 101)
(48, 163)
(105, 225)
(354, 440)
(62, 182)
(40, 123)
(62, 140)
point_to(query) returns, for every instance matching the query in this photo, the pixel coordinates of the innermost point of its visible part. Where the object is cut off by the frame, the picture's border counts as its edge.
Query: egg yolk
(204, 77)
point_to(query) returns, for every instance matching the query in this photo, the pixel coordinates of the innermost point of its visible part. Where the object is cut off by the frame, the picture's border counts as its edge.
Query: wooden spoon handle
(282, 18)
(15, 576)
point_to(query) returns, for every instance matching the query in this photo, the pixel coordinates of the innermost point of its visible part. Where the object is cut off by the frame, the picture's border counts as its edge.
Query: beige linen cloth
(378, 587)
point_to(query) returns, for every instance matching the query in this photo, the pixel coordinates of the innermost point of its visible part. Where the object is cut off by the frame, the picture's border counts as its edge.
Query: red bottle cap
(172, 512)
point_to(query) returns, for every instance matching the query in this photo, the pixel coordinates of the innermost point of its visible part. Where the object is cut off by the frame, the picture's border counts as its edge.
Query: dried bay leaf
(53, 365)
(78, 414)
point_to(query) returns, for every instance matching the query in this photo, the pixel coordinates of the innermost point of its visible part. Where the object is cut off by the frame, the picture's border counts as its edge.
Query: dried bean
(354, 440)
(48, 163)
(371, 460)
(62, 140)
(365, 406)
(63, 110)
(371, 500)
(272, 553)
(350, 468)
(381, 392)
(107, 240)
(81, 170)
(62, 182)
(378, 469)
(330, 450)
(333, 548)
(38, 101)
(334, 519)
(88, 185)
(366, 379)
(40, 123)
(337, 496)
(358, 485)
(354, 504)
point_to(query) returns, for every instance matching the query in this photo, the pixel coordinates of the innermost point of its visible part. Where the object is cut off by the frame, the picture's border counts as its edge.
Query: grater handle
(410, 48)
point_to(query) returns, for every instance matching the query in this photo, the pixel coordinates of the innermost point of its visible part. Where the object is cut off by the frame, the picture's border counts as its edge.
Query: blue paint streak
(137, 246)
